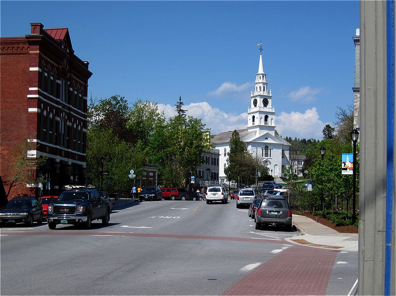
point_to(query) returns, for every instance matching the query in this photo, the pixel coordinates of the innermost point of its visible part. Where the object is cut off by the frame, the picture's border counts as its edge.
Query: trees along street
(149, 248)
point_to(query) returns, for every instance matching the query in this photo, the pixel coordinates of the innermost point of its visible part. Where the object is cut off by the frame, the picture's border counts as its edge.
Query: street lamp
(322, 152)
(101, 173)
(354, 137)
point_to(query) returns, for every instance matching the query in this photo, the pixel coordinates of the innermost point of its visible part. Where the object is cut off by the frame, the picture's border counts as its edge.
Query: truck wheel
(88, 223)
(29, 221)
(172, 197)
(51, 225)
(183, 198)
(40, 220)
(106, 218)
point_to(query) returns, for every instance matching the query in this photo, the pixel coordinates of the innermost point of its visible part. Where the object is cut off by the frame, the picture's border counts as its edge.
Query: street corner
(339, 243)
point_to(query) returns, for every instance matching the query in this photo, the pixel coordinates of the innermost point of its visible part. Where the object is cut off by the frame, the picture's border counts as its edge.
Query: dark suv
(274, 211)
(78, 206)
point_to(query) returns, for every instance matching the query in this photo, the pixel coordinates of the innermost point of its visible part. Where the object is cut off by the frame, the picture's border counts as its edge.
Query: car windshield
(45, 201)
(214, 189)
(74, 195)
(149, 189)
(18, 204)
(274, 204)
(246, 192)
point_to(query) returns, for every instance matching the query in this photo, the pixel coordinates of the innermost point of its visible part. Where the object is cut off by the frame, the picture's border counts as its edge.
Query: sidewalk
(315, 234)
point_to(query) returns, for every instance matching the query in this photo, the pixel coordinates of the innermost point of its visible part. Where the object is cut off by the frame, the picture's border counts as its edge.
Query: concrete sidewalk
(318, 235)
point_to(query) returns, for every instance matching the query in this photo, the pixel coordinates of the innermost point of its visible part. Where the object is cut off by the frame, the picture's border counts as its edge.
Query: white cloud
(304, 94)
(295, 124)
(228, 88)
(216, 120)
(301, 125)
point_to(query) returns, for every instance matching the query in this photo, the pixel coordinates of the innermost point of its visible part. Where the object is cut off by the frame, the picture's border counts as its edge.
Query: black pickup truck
(78, 206)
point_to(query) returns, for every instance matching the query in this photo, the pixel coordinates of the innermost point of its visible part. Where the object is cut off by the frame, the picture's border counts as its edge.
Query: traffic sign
(131, 174)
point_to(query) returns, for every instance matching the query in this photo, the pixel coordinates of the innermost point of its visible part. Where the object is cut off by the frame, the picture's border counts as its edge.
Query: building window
(225, 151)
(266, 151)
(266, 119)
(63, 93)
(253, 117)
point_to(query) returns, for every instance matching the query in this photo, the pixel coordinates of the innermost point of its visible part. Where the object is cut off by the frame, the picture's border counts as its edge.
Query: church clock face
(265, 102)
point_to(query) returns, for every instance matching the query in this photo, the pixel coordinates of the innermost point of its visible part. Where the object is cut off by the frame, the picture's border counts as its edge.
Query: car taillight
(238, 197)
(289, 213)
(222, 193)
(255, 197)
(259, 212)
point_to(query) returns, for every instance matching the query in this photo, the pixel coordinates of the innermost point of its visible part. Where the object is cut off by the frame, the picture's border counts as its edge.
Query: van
(215, 193)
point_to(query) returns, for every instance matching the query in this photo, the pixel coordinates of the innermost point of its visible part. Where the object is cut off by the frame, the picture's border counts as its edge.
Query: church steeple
(261, 114)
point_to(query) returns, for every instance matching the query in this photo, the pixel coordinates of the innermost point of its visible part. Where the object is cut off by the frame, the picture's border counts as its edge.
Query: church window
(255, 102)
(225, 151)
(266, 120)
(253, 117)
(266, 151)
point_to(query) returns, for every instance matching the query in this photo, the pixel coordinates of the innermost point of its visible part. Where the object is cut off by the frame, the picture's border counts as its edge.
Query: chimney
(36, 28)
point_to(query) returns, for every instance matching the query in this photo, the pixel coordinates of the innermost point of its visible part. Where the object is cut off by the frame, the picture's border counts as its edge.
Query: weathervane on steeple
(261, 47)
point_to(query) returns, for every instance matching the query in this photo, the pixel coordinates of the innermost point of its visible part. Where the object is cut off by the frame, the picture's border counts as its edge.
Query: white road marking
(250, 267)
(353, 288)
(341, 262)
(136, 227)
(180, 209)
(266, 235)
(276, 251)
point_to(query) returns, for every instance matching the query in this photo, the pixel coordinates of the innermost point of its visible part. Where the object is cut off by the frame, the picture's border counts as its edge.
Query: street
(169, 248)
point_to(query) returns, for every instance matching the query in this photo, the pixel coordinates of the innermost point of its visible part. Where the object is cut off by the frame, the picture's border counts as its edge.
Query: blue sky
(207, 53)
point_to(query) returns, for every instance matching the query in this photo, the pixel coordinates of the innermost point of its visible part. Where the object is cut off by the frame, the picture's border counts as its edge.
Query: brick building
(43, 98)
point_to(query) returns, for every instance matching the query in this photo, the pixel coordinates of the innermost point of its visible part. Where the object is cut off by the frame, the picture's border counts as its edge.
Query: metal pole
(354, 183)
(101, 177)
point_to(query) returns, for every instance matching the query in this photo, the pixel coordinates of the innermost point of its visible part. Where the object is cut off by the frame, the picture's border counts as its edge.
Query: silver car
(246, 197)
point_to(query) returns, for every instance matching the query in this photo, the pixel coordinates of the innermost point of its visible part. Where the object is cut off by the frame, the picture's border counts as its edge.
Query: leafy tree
(328, 132)
(111, 113)
(22, 169)
(143, 119)
(344, 123)
(119, 157)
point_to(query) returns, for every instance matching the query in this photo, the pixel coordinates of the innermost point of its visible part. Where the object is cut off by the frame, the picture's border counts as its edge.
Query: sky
(206, 52)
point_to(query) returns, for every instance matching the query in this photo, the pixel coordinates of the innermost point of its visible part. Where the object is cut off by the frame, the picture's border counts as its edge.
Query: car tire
(106, 218)
(258, 226)
(40, 220)
(207, 202)
(237, 205)
(183, 198)
(52, 225)
(194, 198)
(88, 222)
(288, 228)
(30, 221)
(172, 197)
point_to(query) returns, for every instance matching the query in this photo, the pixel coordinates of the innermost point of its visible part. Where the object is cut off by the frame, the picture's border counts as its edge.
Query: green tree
(344, 123)
(328, 132)
(143, 119)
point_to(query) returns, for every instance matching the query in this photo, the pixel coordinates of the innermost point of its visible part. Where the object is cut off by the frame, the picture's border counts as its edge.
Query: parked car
(178, 193)
(78, 206)
(245, 197)
(22, 209)
(234, 194)
(253, 207)
(275, 211)
(268, 185)
(215, 193)
(45, 201)
(150, 193)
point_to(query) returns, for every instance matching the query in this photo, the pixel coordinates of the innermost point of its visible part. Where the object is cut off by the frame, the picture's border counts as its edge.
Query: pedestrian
(138, 192)
(133, 191)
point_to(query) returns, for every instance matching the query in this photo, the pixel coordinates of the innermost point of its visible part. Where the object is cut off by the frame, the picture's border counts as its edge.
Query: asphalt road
(149, 248)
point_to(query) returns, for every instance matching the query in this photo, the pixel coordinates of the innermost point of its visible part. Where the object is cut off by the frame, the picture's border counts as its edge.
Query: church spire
(261, 68)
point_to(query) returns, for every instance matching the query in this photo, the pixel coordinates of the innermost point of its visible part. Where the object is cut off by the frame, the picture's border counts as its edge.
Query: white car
(246, 197)
(215, 193)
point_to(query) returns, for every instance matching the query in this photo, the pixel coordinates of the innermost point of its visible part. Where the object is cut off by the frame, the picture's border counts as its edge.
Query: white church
(259, 136)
